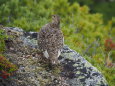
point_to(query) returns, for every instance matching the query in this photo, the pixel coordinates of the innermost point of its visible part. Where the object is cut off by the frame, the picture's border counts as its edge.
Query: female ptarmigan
(51, 40)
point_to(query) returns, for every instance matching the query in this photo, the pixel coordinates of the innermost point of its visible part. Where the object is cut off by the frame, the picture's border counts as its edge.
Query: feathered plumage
(51, 40)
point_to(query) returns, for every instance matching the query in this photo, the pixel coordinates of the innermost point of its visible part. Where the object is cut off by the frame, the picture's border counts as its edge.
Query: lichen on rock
(34, 70)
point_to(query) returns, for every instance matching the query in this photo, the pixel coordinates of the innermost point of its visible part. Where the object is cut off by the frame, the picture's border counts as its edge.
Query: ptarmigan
(51, 40)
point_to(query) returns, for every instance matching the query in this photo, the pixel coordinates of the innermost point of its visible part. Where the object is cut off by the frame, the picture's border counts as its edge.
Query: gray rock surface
(34, 69)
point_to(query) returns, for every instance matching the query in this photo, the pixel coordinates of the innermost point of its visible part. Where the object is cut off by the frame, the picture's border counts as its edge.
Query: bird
(51, 40)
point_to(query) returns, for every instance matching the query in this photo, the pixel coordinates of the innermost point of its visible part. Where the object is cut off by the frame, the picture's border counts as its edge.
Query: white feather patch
(59, 52)
(46, 54)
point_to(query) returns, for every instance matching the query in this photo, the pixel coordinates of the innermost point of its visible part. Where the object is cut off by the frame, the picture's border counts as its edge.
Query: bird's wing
(55, 39)
(42, 37)
(60, 39)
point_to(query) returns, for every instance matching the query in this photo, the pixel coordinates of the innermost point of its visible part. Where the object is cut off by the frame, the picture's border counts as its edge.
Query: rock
(34, 70)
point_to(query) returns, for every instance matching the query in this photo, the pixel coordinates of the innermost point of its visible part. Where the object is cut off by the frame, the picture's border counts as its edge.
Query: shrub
(6, 68)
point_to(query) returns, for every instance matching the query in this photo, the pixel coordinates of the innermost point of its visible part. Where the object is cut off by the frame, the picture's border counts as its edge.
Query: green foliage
(106, 7)
(2, 43)
(84, 32)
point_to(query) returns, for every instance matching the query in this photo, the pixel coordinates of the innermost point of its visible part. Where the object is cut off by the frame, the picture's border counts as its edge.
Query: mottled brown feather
(50, 38)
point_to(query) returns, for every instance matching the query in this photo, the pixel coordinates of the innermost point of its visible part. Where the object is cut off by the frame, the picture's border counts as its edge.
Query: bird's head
(56, 19)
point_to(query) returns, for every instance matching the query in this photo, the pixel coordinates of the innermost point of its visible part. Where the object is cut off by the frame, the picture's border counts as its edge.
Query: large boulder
(34, 70)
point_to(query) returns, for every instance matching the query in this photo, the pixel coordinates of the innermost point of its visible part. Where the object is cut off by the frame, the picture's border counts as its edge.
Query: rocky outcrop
(34, 69)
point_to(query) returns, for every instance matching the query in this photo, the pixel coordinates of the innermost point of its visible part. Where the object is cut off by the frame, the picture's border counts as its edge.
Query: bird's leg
(52, 64)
